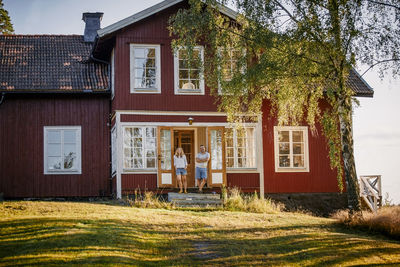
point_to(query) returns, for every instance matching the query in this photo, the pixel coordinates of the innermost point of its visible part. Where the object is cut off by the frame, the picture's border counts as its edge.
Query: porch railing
(371, 191)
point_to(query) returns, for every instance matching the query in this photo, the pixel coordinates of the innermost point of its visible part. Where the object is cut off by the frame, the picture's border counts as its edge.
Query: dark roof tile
(49, 63)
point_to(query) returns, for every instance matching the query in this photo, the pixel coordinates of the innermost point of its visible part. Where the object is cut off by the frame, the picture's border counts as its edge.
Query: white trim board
(153, 10)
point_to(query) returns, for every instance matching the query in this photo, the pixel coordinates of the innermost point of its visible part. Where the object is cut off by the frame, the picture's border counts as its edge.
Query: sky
(376, 120)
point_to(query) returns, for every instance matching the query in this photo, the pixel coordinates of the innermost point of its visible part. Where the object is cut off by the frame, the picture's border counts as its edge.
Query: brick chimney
(92, 21)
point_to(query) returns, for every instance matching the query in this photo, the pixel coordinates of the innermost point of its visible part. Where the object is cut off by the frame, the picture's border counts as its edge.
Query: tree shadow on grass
(51, 241)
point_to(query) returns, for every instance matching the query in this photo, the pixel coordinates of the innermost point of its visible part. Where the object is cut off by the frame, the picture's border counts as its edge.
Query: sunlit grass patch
(112, 233)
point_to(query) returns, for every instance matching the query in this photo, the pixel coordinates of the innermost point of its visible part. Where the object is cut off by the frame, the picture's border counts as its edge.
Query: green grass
(106, 233)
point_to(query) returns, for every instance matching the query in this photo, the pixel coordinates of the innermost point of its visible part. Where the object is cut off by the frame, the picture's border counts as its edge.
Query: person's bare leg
(178, 177)
(184, 183)
(202, 183)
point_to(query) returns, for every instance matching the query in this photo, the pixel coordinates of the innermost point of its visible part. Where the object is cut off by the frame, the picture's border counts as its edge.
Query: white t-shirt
(180, 162)
(200, 155)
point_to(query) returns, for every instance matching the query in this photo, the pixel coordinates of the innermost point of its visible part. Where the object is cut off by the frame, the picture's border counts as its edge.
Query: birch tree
(294, 54)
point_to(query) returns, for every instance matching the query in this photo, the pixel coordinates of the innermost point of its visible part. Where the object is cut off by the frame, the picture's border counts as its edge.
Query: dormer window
(145, 68)
(188, 77)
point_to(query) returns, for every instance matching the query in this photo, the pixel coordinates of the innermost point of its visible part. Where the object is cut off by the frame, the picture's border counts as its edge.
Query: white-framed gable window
(291, 148)
(145, 67)
(188, 79)
(62, 150)
(240, 148)
(140, 151)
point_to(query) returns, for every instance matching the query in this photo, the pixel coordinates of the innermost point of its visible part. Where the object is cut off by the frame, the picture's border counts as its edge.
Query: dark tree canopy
(6, 26)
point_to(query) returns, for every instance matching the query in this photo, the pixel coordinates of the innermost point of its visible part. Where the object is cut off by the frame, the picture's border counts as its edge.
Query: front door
(165, 162)
(185, 140)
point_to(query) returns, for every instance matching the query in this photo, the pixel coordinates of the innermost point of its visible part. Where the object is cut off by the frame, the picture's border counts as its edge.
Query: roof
(153, 10)
(359, 85)
(49, 63)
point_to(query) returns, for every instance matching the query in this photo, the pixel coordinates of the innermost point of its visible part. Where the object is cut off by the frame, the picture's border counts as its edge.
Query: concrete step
(197, 202)
(192, 196)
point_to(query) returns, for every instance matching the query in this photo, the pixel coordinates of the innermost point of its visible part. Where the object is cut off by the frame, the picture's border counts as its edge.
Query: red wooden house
(102, 114)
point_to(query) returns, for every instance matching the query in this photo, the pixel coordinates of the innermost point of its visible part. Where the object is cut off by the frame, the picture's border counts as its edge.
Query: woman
(180, 164)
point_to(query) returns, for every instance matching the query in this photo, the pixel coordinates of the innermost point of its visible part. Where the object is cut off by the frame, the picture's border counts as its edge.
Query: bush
(386, 220)
(234, 200)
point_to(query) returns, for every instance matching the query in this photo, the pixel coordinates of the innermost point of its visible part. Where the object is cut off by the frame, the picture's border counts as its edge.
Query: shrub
(234, 200)
(386, 220)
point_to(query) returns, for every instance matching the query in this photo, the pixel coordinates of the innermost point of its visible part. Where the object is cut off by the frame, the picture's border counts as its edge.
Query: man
(201, 167)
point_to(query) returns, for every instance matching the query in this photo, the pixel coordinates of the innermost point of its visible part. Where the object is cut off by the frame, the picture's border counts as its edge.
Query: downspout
(3, 95)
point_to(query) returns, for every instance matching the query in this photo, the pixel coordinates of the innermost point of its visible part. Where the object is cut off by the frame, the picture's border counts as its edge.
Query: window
(230, 65)
(188, 78)
(140, 148)
(291, 149)
(145, 69)
(62, 150)
(240, 148)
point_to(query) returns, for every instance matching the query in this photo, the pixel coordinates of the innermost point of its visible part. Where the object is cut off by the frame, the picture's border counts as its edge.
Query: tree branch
(380, 62)
(383, 4)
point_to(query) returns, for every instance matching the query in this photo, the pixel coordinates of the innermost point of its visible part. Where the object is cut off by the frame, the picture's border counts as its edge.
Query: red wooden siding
(247, 182)
(132, 182)
(153, 30)
(21, 145)
(321, 178)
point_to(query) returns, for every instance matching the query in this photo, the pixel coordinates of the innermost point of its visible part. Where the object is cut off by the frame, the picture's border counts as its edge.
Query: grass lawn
(106, 233)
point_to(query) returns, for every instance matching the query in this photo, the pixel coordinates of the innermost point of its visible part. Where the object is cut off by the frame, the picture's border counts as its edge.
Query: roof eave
(151, 11)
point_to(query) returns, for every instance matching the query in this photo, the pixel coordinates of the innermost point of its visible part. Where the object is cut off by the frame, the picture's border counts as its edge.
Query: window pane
(150, 83)
(284, 148)
(140, 83)
(53, 136)
(140, 62)
(128, 133)
(54, 150)
(229, 152)
(150, 153)
(150, 63)
(151, 163)
(137, 142)
(150, 132)
(128, 164)
(216, 149)
(182, 53)
(284, 161)
(70, 136)
(183, 64)
(54, 163)
(138, 163)
(298, 161)
(137, 152)
(165, 144)
(139, 73)
(69, 160)
(128, 152)
(283, 136)
(151, 52)
(183, 74)
(298, 148)
(137, 132)
(140, 52)
(194, 74)
(297, 136)
(241, 152)
(230, 162)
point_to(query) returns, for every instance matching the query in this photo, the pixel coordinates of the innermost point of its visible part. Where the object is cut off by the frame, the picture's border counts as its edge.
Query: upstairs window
(62, 150)
(145, 69)
(291, 149)
(229, 65)
(240, 148)
(188, 77)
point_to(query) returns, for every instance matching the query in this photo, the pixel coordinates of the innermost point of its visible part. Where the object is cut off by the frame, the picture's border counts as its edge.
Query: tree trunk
(352, 186)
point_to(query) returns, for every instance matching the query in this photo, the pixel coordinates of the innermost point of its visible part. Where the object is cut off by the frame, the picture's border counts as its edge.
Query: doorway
(185, 140)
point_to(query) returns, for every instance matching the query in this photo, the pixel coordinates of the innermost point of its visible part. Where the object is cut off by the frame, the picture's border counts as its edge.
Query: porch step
(195, 199)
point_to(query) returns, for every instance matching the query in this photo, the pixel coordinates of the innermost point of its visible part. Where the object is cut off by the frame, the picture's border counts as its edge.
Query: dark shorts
(180, 171)
(201, 173)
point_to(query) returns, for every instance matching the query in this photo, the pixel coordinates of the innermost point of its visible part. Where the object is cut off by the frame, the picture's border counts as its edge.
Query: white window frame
(157, 89)
(112, 73)
(220, 51)
(78, 169)
(235, 150)
(113, 150)
(303, 129)
(180, 91)
(143, 148)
